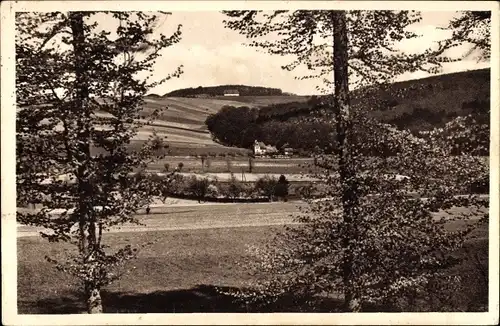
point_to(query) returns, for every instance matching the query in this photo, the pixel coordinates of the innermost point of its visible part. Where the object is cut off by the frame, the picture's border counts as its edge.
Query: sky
(214, 55)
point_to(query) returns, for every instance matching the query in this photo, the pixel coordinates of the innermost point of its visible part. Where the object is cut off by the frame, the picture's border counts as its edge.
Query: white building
(231, 92)
(259, 148)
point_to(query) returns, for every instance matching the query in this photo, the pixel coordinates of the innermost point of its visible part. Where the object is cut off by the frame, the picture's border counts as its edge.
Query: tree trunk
(82, 113)
(345, 155)
(94, 301)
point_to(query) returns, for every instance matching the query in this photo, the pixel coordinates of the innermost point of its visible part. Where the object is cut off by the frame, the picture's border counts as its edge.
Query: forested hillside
(417, 105)
(219, 91)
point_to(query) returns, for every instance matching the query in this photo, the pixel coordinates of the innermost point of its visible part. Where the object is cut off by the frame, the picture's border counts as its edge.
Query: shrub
(198, 187)
(234, 187)
(170, 185)
(266, 186)
(180, 166)
(281, 188)
(212, 190)
(166, 167)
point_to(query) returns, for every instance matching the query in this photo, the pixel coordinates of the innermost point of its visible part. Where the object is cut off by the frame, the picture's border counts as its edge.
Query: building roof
(231, 91)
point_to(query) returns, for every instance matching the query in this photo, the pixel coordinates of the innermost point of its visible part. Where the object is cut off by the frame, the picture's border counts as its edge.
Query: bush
(266, 186)
(198, 187)
(281, 188)
(234, 188)
(212, 190)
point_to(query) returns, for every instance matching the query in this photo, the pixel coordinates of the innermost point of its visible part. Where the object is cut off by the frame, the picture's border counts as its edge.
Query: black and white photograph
(171, 160)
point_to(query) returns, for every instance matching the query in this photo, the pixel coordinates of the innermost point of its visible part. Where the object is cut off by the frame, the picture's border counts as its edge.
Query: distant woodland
(219, 91)
(418, 105)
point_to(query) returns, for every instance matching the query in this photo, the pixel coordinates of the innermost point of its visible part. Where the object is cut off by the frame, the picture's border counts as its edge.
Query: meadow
(235, 165)
(195, 250)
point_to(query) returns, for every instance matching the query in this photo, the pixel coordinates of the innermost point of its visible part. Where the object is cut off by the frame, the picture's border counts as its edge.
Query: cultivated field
(235, 165)
(183, 121)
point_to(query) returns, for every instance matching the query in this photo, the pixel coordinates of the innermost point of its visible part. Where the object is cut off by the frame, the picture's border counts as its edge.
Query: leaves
(79, 105)
(306, 36)
(376, 227)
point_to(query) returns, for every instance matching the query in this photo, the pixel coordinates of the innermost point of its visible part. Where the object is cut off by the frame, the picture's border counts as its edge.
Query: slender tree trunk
(94, 301)
(345, 154)
(87, 222)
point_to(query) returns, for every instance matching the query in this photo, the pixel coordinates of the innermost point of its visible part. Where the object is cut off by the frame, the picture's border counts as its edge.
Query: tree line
(300, 125)
(266, 188)
(219, 91)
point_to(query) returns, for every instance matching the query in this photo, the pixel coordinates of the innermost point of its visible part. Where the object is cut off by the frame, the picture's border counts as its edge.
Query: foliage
(464, 135)
(373, 237)
(281, 188)
(241, 126)
(79, 86)
(232, 125)
(212, 190)
(234, 188)
(266, 186)
(473, 28)
(198, 187)
(284, 111)
(307, 37)
(398, 247)
(175, 185)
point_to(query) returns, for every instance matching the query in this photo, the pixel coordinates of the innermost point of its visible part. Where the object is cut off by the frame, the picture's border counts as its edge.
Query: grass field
(195, 249)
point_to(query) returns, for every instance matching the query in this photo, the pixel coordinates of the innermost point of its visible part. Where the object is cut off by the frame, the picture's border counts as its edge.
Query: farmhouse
(231, 92)
(259, 149)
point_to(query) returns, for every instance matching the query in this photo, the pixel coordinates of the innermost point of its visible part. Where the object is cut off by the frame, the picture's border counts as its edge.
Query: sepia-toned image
(251, 159)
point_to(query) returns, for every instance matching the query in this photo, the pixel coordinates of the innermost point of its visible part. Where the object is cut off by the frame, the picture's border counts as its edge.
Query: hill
(411, 104)
(183, 121)
(414, 104)
(432, 101)
(417, 105)
(211, 91)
